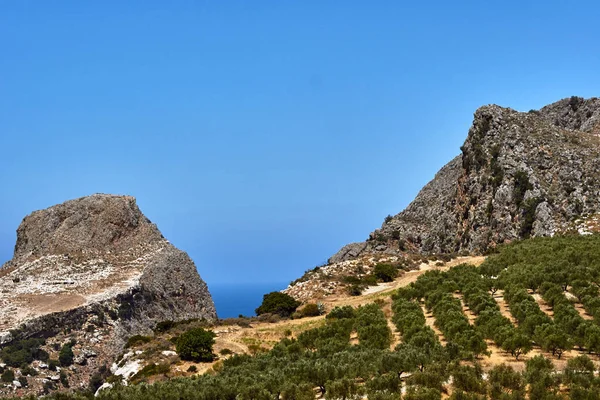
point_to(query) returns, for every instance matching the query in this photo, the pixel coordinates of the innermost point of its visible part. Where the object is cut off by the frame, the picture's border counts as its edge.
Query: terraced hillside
(524, 323)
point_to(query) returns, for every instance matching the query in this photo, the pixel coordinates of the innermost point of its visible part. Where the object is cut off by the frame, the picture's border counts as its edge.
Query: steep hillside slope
(94, 271)
(519, 175)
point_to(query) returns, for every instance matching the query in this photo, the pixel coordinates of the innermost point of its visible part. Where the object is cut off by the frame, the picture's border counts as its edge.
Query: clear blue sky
(263, 136)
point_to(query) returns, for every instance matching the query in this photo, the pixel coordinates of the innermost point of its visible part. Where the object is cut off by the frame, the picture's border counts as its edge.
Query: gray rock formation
(519, 175)
(97, 257)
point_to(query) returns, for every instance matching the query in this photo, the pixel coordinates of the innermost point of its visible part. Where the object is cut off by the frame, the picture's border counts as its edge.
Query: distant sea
(231, 300)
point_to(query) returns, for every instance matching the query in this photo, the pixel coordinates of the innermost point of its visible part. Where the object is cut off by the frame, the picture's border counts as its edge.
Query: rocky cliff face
(519, 175)
(97, 270)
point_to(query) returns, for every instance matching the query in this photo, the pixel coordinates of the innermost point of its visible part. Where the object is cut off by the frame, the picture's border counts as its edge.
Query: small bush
(385, 272)
(22, 352)
(355, 290)
(225, 352)
(137, 340)
(342, 313)
(192, 369)
(28, 370)
(164, 326)
(311, 310)
(196, 345)
(8, 376)
(52, 364)
(65, 357)
(278, 303)
(63, 379)
(152, 369)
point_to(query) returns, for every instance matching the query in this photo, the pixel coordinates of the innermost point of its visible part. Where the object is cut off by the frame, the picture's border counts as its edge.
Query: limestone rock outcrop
(100, 257)
(520, 174)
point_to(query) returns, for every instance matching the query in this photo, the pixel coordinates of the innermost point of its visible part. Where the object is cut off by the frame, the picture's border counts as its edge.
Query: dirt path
(265, 335)
(579, 307)
(504, 309)
(430, 322)
(466, 310)
(543, 305)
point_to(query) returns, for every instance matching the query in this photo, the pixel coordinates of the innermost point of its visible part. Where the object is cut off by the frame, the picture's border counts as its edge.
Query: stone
(5, 337)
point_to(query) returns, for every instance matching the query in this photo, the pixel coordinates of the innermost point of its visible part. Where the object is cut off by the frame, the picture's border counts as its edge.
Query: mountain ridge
(95, 271)
(518, 175)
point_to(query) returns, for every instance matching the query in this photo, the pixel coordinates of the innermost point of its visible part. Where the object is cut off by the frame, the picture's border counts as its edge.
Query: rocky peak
(519, 175)
(97, 260)
(98, 223)
(575, 113)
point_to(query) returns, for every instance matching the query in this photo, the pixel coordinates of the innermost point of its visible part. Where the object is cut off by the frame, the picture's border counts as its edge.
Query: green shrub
(164, 326)
(63, 379)
(65, 357)
(385, 272)
(341, 313)
(52, 364)
(529, 208)
(522, 185)
(192, 369)
(278, 303)
(226, 352)
(22, 352)
(137, 340)
(310, 310)
(8, 375)
(355, 290)
(196, 345)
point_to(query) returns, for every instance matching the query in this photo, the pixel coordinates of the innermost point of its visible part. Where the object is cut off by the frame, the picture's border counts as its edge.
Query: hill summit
(520, 174)
(95, 270)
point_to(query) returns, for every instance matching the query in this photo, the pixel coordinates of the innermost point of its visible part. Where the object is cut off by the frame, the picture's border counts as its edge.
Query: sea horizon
(235, 299)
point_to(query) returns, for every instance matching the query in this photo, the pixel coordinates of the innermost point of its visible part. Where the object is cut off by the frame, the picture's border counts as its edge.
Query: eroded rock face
(97, 257)
(519, 175)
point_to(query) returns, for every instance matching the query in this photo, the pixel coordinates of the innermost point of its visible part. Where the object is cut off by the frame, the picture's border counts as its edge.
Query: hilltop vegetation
(534, 302)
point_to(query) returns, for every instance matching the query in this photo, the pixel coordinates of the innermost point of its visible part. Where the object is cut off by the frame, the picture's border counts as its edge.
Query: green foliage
(371, 326)
(528, 215)
(150, 370)
(65, 357)
(495, 168)
(506, 383)
(196, 345)
(64, 379)
(164, 326)
(324, 362)
(521, 186)
(137, 340)
(53, 365)
(385, 272)
(278, 303)
(8, 375)
(341, 313)
(310, 310)
(355, 290)
(20, 352)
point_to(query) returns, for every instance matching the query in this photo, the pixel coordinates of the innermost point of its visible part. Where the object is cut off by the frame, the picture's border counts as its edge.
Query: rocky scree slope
(96, 259)
(519, 175)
